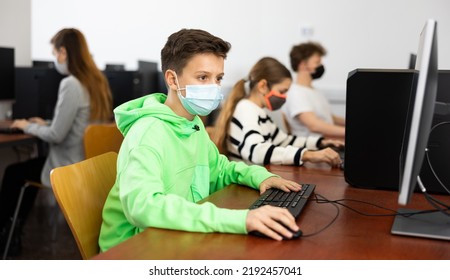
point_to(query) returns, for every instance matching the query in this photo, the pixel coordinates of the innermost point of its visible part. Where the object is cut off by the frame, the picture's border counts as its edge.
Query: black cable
(394, 212)
(433, 202)
(429, 161)
(317, 200)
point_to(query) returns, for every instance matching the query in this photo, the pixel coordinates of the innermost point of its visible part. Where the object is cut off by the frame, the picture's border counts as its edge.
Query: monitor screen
(7, 74)
(417, 130)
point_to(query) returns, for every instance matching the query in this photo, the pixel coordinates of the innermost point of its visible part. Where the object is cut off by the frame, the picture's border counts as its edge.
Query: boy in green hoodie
(167, 161)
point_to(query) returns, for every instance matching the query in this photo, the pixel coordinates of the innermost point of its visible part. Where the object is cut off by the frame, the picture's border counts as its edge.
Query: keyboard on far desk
(10, 130)
(293, 201)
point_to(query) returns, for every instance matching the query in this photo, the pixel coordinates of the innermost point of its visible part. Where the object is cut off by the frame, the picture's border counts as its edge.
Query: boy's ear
(170, 80)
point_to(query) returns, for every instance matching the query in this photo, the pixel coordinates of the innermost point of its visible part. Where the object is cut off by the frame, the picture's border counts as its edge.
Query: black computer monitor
(420, 115)
(6, 74)
(162, 86)
(114, 67)
(43, 64)
(124, 85)
(36, 92)
(148, 72)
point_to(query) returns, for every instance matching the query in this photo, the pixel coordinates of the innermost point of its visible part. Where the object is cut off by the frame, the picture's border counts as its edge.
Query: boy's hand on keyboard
(279, 183)
(272, 222)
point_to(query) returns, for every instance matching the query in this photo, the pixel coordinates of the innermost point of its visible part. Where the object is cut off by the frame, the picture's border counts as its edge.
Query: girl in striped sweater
(245, 131)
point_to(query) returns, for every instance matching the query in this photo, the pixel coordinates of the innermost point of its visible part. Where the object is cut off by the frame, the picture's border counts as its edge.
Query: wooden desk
(352, 236)
(9, 140)
(308, 168)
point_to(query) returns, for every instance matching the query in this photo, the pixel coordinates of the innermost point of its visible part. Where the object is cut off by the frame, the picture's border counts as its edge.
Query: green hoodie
(166, 164)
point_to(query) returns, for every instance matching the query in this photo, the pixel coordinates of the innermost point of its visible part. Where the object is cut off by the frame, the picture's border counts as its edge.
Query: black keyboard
(293, 201)
(10, 130)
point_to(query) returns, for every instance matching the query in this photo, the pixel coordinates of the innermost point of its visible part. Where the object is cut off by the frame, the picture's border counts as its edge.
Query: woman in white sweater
(245, 131)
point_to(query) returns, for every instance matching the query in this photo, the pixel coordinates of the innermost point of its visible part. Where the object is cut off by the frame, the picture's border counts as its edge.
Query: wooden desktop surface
(351, 236)
(8, 140)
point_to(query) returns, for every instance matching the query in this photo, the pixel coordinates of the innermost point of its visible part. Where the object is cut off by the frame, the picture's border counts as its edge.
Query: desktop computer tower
(376, 113)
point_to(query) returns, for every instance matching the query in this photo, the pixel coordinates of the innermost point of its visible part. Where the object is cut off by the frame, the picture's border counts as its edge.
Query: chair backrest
(81, 190)
(101, 138)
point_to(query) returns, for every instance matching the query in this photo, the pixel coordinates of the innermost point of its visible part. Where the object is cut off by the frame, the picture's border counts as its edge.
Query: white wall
(357, 34)
(15, 32)
(15, 29)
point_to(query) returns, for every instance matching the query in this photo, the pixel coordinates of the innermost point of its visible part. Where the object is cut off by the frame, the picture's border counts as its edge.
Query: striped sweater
(255, 138)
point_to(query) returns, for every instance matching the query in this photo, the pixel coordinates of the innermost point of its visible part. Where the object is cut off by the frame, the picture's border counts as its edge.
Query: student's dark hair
(82, 66)
(304, 51)
(186, 43)
(266, 68)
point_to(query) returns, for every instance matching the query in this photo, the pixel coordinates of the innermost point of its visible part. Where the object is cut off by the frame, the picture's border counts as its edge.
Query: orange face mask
(274, 100)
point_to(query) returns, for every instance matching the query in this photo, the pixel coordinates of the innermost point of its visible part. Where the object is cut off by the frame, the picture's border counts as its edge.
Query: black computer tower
(377, 105)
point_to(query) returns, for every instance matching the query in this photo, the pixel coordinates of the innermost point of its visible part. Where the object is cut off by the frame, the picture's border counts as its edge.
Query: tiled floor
(46, 235)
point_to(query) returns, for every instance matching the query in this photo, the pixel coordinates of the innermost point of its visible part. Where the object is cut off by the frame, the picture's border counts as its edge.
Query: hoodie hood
(152, 106)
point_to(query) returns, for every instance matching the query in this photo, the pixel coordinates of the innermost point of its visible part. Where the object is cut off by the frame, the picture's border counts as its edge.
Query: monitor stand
(429, 225)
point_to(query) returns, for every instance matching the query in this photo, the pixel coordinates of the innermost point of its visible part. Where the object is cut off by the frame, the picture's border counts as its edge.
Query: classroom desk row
(351, 236)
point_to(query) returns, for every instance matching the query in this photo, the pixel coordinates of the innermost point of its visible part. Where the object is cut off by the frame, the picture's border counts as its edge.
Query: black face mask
(274, 100)
(318, 73)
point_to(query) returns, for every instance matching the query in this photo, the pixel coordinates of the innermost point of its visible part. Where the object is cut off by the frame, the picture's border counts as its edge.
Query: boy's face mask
(274, 100)
(318, 73)
(200, 99)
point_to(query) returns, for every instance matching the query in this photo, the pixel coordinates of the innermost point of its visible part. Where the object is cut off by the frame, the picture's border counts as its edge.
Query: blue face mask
(200, 99)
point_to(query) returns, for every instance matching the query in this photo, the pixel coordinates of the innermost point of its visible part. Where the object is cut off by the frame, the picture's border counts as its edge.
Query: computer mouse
(295, 234)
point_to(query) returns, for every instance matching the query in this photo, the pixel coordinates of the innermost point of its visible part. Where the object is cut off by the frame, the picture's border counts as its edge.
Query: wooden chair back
(81, 190)
(101, 138)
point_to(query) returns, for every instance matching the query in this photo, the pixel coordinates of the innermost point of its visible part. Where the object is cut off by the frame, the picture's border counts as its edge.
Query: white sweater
(255, 138)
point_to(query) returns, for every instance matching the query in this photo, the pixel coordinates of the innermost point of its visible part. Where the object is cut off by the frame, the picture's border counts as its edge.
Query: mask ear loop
(267, 98)
(179, 89)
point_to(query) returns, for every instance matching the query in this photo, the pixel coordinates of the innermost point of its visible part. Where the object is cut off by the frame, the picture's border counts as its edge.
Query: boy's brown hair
(186, 43)
(304, 51)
